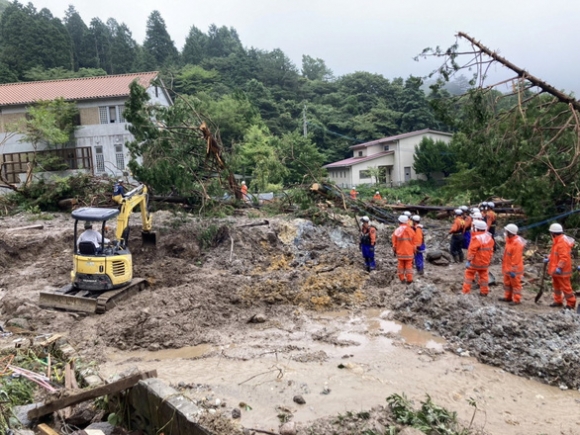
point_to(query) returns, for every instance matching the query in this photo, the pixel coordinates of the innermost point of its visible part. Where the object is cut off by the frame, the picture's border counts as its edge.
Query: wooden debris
(46, 430)
(84, 395)
(29, 227)
(50, 340)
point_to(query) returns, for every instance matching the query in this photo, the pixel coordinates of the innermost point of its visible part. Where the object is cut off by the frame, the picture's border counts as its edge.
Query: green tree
(221, 41)
(123, 48)
(195, 48)
(158, 43)
(434, 156)
(301, 158)
(315, 69)
(77, 30)
(100, 38)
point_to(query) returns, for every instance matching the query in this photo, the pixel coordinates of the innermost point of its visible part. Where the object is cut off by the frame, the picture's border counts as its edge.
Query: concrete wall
(404, 156)
(156, 406)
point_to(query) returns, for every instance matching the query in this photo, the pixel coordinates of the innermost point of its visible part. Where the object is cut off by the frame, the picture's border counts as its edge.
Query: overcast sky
(378, 36)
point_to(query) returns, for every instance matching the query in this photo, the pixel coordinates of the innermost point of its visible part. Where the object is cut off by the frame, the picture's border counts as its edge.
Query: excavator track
(68, 298)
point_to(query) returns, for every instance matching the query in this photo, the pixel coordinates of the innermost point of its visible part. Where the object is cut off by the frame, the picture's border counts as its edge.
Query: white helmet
(490, 204)
(377, 193)
(243, 182)
(477, 216)
(475, 210)
(407, 213)
(365, 219)
(464, 208)
(556, 228)
(458, 211)
(511, 228)
(483, 204)
(403, 219)
(416, 218)
(480, 225)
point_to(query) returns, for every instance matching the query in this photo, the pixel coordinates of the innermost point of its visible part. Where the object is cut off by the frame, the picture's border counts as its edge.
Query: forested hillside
(256, 87)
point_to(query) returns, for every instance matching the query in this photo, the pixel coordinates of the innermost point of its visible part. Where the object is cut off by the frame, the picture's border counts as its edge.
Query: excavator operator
(90, 235)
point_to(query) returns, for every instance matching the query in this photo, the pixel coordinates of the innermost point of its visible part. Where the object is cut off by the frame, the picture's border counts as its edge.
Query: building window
(120, 157)
(360, 153)
(100, 159)
(386, 148)
(111, 114)
(364, 174)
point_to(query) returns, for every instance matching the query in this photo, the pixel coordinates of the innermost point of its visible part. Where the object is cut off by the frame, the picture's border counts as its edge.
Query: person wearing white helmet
(560, 267)
(479, 257)
(490, 217)
(408, 214)
(353, 193)
(477, 216)
(512, 265)
(467, 226)
(419, 242)
(244, 190)
(456, 231)
(368, 240)
(377, 196)
(404, 249)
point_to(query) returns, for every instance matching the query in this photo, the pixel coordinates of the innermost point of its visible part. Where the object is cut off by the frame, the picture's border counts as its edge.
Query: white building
(99, 139)
(393, 156)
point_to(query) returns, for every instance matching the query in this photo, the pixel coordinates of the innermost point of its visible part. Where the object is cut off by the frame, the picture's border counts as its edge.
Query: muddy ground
(255, 293)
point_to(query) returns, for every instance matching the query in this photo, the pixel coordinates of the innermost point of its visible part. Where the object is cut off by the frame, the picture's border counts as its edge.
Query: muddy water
(377, 357)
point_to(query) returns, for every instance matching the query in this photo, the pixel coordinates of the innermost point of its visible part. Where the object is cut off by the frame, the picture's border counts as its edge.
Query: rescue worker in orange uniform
(368, 239)
(404, 249)
(478, 258)
(467, 229)
(456, 231)
(244, 189)
(560, 267)
(377, 196)
(490, 218)
(419, 242)
(513, 265)
(353, 193)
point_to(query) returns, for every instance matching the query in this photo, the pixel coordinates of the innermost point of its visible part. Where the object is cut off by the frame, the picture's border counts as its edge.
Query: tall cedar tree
(158, 43)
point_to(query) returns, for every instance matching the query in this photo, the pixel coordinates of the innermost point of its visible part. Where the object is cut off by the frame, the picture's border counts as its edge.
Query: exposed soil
(258, 293)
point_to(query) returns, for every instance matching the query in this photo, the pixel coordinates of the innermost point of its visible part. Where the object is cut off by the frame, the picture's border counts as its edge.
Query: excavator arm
(136, 197)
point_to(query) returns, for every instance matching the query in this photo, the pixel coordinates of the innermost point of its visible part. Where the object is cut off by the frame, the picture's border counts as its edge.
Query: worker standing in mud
(467, 228)
(456, 231)
(490, 218)
(419, 242)
(478, 258)
(560, 267)
(512, 265)
(368, 240)
(404, 249)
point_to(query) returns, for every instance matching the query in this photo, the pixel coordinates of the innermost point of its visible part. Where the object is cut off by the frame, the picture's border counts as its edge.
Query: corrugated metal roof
(85, 88)
(361, 146)
(355, 160)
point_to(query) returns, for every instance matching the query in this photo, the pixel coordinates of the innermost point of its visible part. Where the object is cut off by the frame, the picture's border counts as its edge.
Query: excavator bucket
(149, 238)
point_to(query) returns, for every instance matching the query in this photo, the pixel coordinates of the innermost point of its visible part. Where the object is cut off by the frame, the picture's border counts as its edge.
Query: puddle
(165, 354)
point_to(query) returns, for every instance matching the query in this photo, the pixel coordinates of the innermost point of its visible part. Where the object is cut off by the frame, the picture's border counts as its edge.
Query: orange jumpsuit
(403, 245)
(560, 257)
(513, 262)
(377, 197)
(244, 190)
(353, 194)
(479, 255)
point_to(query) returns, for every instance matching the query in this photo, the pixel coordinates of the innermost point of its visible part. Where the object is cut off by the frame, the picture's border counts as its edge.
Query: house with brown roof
(101, 133)
(391, 157)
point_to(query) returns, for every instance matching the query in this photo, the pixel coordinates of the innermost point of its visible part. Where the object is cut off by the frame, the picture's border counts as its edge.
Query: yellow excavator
(102, 271)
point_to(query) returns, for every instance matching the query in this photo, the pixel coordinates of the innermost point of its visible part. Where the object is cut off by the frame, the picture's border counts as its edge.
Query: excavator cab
(101, 267)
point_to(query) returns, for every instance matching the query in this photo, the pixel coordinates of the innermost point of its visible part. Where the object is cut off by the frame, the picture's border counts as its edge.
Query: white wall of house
(340, 176)
(404, 156)
(360, 170)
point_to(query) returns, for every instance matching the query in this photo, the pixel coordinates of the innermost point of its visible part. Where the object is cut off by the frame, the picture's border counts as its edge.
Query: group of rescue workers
(474, 230)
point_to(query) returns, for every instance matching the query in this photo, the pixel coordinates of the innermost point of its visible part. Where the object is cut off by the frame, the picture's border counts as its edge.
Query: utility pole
(304, 123)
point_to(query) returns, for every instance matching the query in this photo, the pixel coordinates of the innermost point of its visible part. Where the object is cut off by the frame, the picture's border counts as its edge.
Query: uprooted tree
(523, 145)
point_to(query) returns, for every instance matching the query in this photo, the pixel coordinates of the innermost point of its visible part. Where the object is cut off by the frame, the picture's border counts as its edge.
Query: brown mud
(291, 300)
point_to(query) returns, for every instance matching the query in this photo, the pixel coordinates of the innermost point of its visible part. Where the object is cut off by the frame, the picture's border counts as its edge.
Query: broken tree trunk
(84, 395)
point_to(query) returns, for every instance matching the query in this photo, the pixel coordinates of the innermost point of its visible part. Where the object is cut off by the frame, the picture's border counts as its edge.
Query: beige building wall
(90, 116)
(8, 120)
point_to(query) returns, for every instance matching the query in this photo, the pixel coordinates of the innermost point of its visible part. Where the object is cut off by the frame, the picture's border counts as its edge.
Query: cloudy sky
(379, 36)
